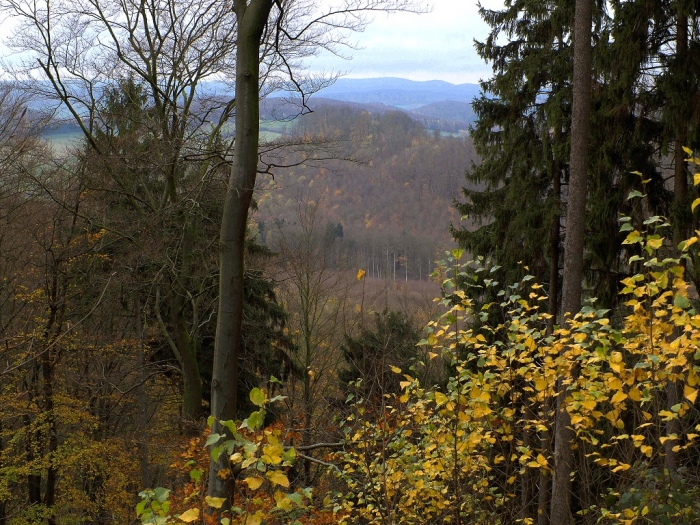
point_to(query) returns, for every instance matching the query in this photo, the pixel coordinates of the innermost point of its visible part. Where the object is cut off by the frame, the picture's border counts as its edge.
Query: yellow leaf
(190, 515)
(688, 242)
(589, 404)
(542, 460)
(621, 466)
(360, 274)
(690, 393)
(635, 394)
(646, 450)
(619, 397)
(253, 519)
(283, 502)
(254, 482)
(687, 150)
(432, 355)
(440, 398)
(272, 454)
(695, 204)
(696, 179)
(540, 384)
(655, 244)
(278, 478)
(214, 502)
(396, 369)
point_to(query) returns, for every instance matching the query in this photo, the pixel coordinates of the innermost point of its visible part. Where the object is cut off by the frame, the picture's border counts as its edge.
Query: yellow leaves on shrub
(619, 397)
(253, 482)
(254, 519)
(213, 502)
(190, 515)
(278, 478)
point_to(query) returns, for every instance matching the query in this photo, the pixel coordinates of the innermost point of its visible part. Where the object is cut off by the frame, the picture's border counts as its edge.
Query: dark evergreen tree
(370, 355)
(515, 197)
(512, 198)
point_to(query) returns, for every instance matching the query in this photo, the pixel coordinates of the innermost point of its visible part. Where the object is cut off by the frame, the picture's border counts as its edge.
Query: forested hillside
(389, 196)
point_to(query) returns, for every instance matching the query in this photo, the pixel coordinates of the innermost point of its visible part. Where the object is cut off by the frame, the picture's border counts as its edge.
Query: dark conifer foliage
(523, 135)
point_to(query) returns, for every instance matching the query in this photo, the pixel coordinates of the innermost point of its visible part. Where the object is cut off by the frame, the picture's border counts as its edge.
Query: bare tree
(265, 28)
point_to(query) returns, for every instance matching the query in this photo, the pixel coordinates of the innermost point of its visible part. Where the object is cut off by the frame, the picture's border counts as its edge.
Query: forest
(212, 312)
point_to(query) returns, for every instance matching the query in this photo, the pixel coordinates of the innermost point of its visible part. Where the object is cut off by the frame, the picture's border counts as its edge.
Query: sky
(438, 45)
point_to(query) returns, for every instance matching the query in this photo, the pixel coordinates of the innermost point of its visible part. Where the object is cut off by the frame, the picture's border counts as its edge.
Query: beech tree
(279, 22)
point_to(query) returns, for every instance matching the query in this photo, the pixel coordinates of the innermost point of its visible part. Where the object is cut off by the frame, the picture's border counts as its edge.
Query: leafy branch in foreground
(472, 450)
(258, 458)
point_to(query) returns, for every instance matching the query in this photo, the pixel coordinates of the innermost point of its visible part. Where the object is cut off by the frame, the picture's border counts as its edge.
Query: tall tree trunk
(554, 232)
(573, 253)
(251, 18)
(680, 232)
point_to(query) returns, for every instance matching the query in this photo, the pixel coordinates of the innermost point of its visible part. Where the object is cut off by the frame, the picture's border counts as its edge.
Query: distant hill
(450, 110)
(399, 92)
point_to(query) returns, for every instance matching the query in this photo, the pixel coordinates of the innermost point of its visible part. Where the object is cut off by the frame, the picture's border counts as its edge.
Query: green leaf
(289, 456)
(230, 425)
(258, 397)
(162, 494)
(681, 301)
(626, 227)
(212, 439)
(255, 420)
(634, 194)
(196, 475)
(457, 253)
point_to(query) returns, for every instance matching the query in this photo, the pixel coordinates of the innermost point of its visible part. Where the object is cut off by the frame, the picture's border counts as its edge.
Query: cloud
(435, 45)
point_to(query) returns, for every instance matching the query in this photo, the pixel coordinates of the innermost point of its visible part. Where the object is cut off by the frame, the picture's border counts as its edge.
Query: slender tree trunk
(680, 178)
(573, 253)
(191, 378)
(142, 400)
(251, 18)
(554, 231)
(543, 496)
(680, 232)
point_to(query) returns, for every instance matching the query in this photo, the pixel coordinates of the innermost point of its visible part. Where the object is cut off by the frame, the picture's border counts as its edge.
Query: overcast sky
(437, 45)
(434, 46)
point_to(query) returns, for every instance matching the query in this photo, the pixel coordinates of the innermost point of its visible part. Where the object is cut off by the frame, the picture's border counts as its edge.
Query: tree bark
(681, 222)
(573, 253)
(251, 22)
